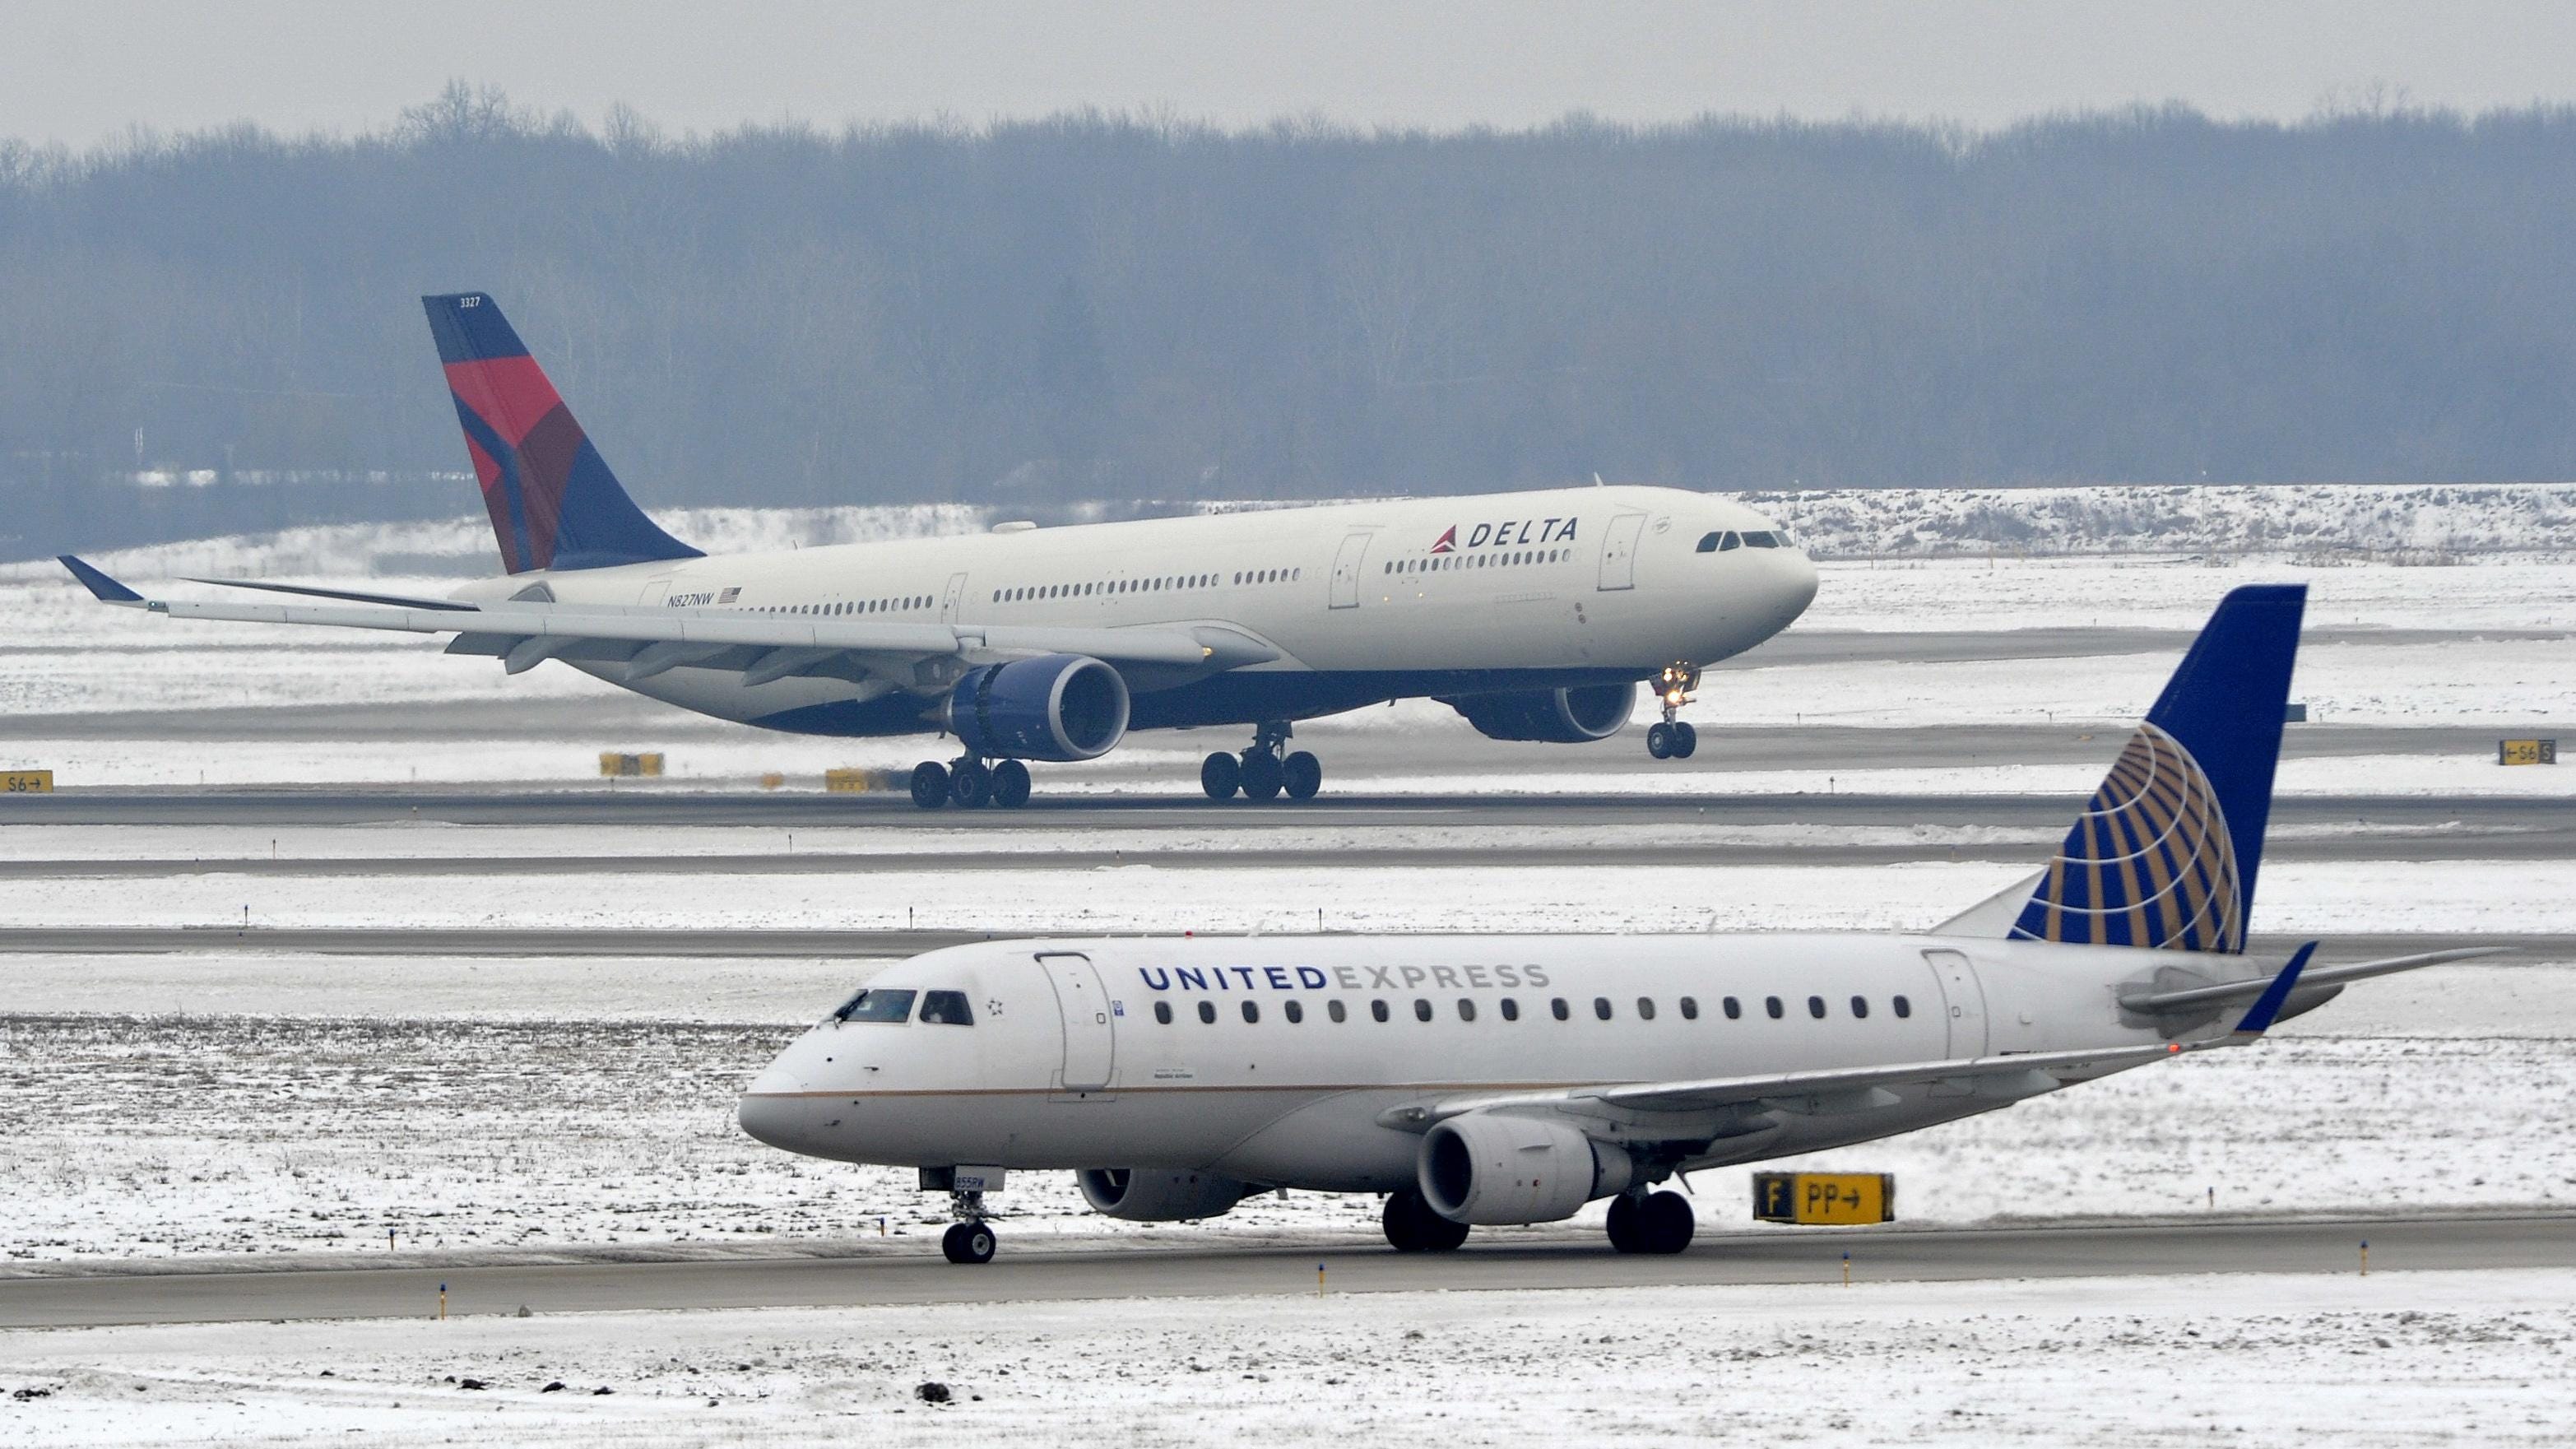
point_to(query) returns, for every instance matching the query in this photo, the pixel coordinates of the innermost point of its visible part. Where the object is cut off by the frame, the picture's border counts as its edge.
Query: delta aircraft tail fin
(2165, 853)
(554, 503)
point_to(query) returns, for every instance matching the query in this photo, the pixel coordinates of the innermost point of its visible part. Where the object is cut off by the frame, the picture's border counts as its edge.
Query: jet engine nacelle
(1159, 1195)
(1491, 1168)
(1056, 707)
(1556, 716)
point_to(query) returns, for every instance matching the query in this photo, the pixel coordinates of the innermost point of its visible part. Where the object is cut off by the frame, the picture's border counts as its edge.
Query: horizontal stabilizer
(399, 601)
(2267, 1007)
(2192, 998)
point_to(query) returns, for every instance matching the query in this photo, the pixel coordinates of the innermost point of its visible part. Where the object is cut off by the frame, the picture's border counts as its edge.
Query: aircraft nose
(774, 1109)
(1800, 572)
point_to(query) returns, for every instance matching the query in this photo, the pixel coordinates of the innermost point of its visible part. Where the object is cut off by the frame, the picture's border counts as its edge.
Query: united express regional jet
(1534, 615)
(1513, 1079)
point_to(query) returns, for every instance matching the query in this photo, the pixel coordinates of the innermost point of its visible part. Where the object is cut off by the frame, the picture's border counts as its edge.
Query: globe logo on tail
(2149, 863)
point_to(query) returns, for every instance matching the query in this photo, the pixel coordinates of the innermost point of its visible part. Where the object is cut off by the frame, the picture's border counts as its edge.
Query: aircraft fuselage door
(948, 602)
(1346, 571)
(1963, 1000)
(656, 592)
(1619, 552)
(1090, 1041)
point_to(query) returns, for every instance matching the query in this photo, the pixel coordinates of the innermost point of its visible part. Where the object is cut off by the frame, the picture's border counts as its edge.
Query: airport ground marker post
(442, 1303)
(2365, 1257)
(1319, 1277)
(1847, 1268)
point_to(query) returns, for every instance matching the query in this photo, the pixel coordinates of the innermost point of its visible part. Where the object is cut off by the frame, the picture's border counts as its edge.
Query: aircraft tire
(968, 1243)
(1262, 775)
(930, 784)
(1412, 1227)
(1301, 775)
(1659, 740)
(1010, 785)
(970, 785)
(1624, 1236)
(1685, 739)
(1220, 775)
(1665, 1223)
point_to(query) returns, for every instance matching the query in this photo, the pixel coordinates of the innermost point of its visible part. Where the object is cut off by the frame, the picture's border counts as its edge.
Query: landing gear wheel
(968, 1243)
(1220, 775)
(1624, 1236)
(1010, 785)
(1685, 739)
(1262, 775)
(930, 784)
(1301, 775)
(970, 784)
(1664, 1223)
(1412, 1227)
(1659, 740)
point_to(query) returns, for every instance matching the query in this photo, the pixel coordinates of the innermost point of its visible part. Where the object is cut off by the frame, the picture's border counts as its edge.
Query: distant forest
(1100, 307)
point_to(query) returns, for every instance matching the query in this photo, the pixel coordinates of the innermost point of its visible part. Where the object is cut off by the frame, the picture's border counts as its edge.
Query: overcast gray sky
(79, 71)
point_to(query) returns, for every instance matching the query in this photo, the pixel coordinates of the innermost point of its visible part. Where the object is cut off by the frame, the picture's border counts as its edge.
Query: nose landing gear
(1262, 772)
(1674, 739)
(969, 1239)
(969, 783)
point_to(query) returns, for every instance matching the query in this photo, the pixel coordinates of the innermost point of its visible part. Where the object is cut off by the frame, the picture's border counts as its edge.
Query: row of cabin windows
(1558, 1007)
(888, 1003)
(850, 606)
(1443, 563)
(1721, 542)
(1140, 586)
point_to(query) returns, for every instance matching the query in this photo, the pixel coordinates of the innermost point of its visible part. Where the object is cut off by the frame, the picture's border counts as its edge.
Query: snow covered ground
(2393, 1359)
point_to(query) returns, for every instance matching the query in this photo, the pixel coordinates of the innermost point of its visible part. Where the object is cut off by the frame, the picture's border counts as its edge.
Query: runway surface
(913, 1272)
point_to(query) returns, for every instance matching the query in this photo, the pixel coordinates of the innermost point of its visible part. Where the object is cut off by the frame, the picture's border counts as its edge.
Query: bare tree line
(1112, 307)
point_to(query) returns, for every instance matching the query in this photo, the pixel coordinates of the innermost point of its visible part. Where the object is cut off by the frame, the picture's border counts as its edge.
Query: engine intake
(1057, 707)
(1556, 716)
(1159, 1195)
(1490, 1169)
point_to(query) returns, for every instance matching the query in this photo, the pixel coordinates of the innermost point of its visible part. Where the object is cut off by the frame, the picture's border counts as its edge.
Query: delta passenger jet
(1513, 1079)
(1535, 615)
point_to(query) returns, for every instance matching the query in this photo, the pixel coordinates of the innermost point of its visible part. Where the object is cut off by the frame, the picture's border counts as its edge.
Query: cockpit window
(1708, 543)
(1729, 540)
(877, 1003)
(1760, 540)
(946, 1008)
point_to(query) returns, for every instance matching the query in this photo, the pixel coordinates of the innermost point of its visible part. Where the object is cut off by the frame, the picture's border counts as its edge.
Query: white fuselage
(1070, 1062)
(1363, 602)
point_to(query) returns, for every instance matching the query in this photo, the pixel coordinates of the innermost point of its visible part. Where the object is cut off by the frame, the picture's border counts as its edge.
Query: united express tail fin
(2166, 852)
(553, 502)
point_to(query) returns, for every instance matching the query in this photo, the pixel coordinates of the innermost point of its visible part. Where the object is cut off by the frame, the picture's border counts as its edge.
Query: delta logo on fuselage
(1508, 535)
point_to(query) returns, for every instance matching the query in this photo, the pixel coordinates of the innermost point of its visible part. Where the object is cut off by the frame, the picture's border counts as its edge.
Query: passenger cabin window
(1251, 1011)
(1860, 1006)
(1163, 1012)
(1421, 1008)
(1601, 1007)
(1904, 1008)
(947, 1008)
(1690, 1008)
(1816, 1007)
(1771, 1004)
(1466, 1009)
(1734, 1009)
(1207, 1012)
(1511, 1009)
(877, 1004)
(1645, 1008)
(1296, 1012)
(1334, 1010)
(1377, 1010)
(1558, 1006)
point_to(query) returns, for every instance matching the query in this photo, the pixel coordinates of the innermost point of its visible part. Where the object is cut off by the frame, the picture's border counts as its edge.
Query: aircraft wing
(1860, 1089)
(526, 632)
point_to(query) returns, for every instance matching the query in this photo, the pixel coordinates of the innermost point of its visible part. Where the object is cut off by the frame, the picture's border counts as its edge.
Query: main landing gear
(1651, 1222)
(970, 1238)
(970, 783)
(1412, 1227)
(1262, 773)
(1674, 739)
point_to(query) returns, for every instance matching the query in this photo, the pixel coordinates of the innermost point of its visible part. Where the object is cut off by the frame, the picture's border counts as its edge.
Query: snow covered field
(2393, 1359)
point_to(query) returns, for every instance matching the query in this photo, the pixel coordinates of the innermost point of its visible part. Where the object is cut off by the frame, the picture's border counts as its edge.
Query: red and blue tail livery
(553, 501)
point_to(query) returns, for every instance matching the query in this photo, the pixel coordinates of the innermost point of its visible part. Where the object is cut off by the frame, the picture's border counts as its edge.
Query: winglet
(108, 590)
(2267, 1007)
